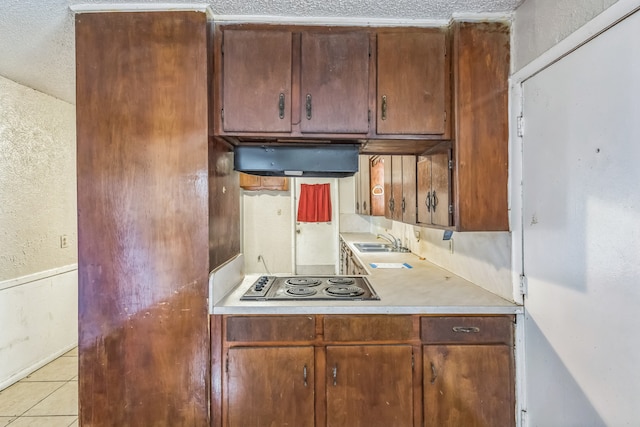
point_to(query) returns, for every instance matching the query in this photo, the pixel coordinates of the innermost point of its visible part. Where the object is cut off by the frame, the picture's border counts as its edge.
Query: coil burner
(339, 288)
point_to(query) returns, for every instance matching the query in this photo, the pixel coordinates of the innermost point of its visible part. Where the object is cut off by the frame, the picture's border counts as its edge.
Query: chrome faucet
(397, 244)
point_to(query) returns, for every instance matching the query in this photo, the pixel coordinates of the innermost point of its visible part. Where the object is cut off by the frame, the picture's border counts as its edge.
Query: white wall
(267, 228)
(581, 210)
(38, 278)
(540, 24)
(37, 181)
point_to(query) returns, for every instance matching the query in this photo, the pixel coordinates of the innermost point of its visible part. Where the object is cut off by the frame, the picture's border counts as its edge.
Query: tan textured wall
(541, 24)
(37, 181)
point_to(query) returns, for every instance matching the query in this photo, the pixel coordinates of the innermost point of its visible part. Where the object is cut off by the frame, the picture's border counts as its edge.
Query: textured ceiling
(37, 46)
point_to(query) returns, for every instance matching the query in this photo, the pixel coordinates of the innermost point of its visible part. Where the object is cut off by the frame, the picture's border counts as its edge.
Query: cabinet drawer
(467, 329)
(271, 328)
(368, 328)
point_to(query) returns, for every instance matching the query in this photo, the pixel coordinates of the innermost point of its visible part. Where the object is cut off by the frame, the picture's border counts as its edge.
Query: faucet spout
(391, 239)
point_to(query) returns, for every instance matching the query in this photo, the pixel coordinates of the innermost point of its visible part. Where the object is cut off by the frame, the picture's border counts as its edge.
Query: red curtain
(315, 203)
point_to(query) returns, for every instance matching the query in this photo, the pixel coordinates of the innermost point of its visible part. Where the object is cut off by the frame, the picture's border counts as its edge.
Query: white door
(581, 234)
(316, 243)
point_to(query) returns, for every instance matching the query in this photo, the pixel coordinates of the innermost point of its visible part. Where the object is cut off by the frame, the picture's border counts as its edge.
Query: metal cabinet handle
(281, 105)
(384, 107)
(335, 375)
(466, 329)
(428, 201)
(357, 207)
(304, 375)
(404, 205)
(308, 106)
(392, 204)
(364, 206)
(434, 375)
(434, 202)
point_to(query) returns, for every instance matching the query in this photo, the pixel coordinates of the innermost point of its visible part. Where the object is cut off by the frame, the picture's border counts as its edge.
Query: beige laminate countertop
(423, 289)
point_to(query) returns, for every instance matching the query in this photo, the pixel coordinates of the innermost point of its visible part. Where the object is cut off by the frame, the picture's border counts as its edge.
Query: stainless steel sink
(377, 247)
(374, 247)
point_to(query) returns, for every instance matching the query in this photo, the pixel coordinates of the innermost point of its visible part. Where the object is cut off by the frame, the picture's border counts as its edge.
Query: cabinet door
(424, 189)
(411, 82)
(369, 385)
(270, 386)
(396, 187)
(409, 189)
(256, 81)
(440, 189)
(468, 385)
(434, 190)
(364, 183)
(335, 82)
(376, 190)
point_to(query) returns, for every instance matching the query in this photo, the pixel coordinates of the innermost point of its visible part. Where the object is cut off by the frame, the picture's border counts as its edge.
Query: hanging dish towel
(315, 203)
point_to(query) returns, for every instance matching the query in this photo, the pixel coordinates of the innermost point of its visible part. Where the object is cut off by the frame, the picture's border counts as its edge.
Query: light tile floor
(46, 398)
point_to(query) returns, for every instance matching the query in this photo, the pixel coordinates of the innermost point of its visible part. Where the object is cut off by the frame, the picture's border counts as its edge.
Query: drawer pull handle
(281, 106)
(466, 329)
(304, 374)
(434, 375)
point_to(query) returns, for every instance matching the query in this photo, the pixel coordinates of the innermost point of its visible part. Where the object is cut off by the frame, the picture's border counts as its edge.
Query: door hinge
(450, 164)
(413, 360)
(520, 126)
(226, 364)
(524, 285)
(369, 116)
(450, 209)
(222, 114)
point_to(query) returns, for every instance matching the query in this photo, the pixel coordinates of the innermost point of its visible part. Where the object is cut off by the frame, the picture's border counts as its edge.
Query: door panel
(468, 385)
(260, 60)
(335, 74)
(441, 180)
(272, 386)
(369, 385)
(411, 76)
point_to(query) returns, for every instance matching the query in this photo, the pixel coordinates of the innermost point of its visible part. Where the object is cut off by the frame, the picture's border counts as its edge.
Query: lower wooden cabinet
(468, 385)
(365, 370)
(270, 386)
(369, 385)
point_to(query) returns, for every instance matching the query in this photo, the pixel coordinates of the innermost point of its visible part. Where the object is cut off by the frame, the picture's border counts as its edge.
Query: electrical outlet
(64, 241)
(417, 234)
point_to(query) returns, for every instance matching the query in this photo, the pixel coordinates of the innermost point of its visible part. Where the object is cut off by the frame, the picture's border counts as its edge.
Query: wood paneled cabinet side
(362, 186)
(481, 156)
(412, 83)
(434, 190)
(143, 218)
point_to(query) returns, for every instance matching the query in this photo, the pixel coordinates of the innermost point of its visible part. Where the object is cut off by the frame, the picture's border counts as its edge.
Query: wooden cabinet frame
(419, 333)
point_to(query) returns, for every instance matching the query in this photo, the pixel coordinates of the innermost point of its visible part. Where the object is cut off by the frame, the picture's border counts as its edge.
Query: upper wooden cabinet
(481, 147)
(334, 82)
(288, 82)
(412, 83)
(256, 80)
(400, 188)
(434, 190)
(258, 183)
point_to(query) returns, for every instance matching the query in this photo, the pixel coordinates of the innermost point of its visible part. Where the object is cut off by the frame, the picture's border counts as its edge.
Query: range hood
(330, 160)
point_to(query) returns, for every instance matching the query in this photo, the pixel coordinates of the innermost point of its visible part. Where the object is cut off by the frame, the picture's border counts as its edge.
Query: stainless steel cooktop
(350, 288)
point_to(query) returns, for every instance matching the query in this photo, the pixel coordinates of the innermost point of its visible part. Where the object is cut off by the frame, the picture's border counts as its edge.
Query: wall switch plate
(64, 241)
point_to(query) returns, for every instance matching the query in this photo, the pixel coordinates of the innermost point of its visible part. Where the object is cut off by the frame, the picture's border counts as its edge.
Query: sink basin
(373, 247)
(377, 247)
